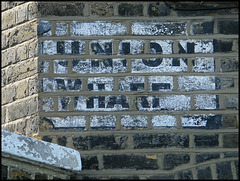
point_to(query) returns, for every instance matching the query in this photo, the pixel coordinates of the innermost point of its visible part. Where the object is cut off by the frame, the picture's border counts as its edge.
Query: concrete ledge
(41, 151)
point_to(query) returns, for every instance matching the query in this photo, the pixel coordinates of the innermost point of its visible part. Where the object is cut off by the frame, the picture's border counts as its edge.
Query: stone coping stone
(40, 151)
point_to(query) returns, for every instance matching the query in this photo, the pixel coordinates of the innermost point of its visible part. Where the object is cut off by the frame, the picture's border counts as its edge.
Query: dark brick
(204, 174)
(206, 156)
(222, 46)
(236, 163)
(229, 65)
(203, 28)
(18, 174)
(47, 139)
(102, 9)
(173, 160)
(231, 101)
(161, 177)
(206, 140)
(60, 9)
(230, 140)
(224, 82)
(157, 9)
(4, 171)
(41, 176)
(187, 175)
(228, 27)
(129, 162)
(231, 154)
(89, 162)
(126, 9)
(224, 171)
(160, 140)
(62, 141)
(43, 27)
(100, 142)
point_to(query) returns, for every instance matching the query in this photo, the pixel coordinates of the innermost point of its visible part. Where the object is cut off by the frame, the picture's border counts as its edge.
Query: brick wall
(19, 67)
(144, 90)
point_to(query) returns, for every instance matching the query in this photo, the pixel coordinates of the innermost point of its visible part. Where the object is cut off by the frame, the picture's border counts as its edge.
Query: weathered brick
(161, 47)
(231, 101)
(16, 173)
(202, 28)
(131, 83)
(160, 177)
(67, 122)
(159, 28)
(100, 84)
(203, 64)
(228, 27)
(204, 174)
(196, 46)
(202, 157)
(89, 162)
(158, 9)
(230, 140)
(47, 104)
(222, 45)
(131, 47)
(229, 65)
(99, 66)
(103, 122)
(164, 121)
(33, 49)
(22, 89)
(44, 28)
(8, 94)
(63, 103)
(102, 9)
(60, 9)
(101, 103)
(33, 87)
(192, 83)
(3, 77)
(21, 53)
(60, 66)
(224, 82)
(160, 83)
(61, 29)
(21, 14)
(134, 122)
(127, 9)
(8, 57)
(4, 172)
(224, 171)
(206, 101)
(130, 162)
(62, 140)
(157, 65)
(8, 19)
(97, 28)
(202, 121)
(100, 142)
(32, 10)
(23, 109)
(166, 102)
(148, 140)
(187, 175)
(171, 161)
(230, 121)
(206, 141)
(41, 176)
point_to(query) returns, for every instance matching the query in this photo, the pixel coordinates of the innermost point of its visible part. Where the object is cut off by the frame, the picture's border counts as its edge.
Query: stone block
(127, 9)
(206, 141)
(173, 160)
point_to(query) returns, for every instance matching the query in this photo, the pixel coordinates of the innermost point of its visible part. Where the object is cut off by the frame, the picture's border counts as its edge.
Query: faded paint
(161, 46)
(100, 84)
(159, 28)
(47, 104)
(131, 47)
(60, 66)
(99, 28)
(159, 65)
(68, 122)
(131, 83)
(192, 83)
(61, 29)
(206, 101)
(164, 103)
(196, 46)
(164, 121)
(134, 121)
(160, 83)
(108, 121)
(203, 64)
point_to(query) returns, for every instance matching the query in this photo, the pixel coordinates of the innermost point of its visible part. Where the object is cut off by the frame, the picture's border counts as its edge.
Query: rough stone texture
(40, 151)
